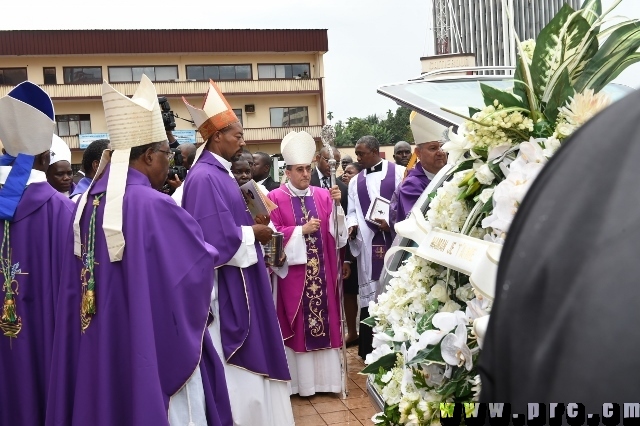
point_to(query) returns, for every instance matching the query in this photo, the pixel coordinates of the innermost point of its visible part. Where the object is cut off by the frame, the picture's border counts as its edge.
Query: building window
(73, 124)
(267, 71)
(12, 76)
(155, 73)
(289, 116)
(50, 76)
(218, 72)
(82, 75)
(238, 113)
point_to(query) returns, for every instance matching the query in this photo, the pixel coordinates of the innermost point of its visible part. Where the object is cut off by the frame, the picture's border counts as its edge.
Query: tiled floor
(330, 409)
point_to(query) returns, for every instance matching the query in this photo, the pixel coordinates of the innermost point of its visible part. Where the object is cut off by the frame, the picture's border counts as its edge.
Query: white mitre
(59, 151)
(131, 122)
(425, 129)
(298, 148)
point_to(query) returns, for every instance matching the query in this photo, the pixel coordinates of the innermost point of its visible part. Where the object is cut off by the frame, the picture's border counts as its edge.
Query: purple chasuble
(149, 332)
(37, 236)
(381, 240)
(408, 193)
(308, 301)
(251, 338)
(81, 187)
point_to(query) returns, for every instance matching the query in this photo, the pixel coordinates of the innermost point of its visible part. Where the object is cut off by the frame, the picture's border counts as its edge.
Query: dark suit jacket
(270, 184)
(344, 190)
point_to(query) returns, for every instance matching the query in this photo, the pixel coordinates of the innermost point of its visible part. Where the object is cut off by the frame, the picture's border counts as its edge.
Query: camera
(168, 117)
(176, 166)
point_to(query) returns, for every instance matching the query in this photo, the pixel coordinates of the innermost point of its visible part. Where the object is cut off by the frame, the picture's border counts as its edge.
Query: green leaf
(424, 323)
(542, 129)
(428, 354)
(629, 60)
(488, 206)
(548, 53)
(371, 321)
(473, 111)
(561, 93)
(491, 94)
(463, 165)
(386, 361)
(591, 10)
(611, 58)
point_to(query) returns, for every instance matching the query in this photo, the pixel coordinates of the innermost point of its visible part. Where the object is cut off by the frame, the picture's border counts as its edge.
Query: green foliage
(393, 128)
(387, 361)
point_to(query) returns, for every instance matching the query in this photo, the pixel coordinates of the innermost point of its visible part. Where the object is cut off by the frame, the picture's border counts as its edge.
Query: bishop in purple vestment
(428, 135)
(35, 218)
(134, 304)
(245, 331)
(307, 297)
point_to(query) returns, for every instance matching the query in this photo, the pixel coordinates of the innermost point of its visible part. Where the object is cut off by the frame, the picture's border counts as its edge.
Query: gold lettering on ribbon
(439, 243)
(467, 252)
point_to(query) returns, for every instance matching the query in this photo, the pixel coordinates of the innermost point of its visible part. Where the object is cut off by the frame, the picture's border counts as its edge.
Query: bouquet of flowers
(429, 324)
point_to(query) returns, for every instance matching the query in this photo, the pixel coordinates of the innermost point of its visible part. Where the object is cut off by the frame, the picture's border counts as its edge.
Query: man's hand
(310, 227)
(175, 182)
(346, 270)
(384, 226)
(336, 195)
(262, 219)
(262, 232)
(353, 231)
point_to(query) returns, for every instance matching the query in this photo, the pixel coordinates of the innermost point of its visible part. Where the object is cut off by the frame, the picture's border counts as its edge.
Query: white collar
(36, 176)
(320, 175)
(262, 181)
(298, 192)
(225, 163)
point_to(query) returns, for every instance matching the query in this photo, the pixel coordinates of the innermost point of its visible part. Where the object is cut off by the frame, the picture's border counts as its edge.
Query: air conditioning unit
(250, 109)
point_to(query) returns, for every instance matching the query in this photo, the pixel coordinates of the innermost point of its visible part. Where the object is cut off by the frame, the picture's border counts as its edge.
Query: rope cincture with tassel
(88, 306)
(10, 322)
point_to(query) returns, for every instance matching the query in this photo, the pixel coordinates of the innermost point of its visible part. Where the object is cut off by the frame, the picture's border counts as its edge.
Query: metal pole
(328, 135)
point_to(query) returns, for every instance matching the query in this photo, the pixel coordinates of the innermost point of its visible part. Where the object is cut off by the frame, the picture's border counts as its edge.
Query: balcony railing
(257, 135)
(183, 88)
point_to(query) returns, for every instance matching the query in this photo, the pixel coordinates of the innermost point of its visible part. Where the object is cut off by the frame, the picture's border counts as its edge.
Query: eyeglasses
(170, 154)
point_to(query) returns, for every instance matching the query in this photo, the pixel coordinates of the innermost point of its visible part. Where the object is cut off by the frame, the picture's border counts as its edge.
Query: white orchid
(444, 323)
(455, 351)
(456, 147)
(378, 353)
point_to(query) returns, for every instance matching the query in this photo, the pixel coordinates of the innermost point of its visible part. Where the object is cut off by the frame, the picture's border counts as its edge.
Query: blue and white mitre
(27, 121)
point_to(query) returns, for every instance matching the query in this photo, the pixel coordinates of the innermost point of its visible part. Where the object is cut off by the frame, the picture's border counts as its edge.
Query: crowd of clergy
(123, 305)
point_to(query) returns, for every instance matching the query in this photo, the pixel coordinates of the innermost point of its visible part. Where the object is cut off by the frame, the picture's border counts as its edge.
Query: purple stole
(381, 240)
(315, 305)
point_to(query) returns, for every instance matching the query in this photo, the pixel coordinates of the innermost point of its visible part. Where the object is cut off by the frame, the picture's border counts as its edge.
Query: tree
(394, 128)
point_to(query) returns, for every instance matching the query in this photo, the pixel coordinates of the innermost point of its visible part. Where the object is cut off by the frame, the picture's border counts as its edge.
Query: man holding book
(245, 330)
(307, 297)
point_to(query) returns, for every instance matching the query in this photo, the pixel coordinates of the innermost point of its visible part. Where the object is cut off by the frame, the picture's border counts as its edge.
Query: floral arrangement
(428, 325)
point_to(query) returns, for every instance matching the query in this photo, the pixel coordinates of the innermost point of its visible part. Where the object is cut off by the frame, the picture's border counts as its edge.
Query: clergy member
(307, 297)
(59, 173)
(90, 162)
(35, 217)
(131, 346)
(428, 136)
(370, 233)
(245, 330)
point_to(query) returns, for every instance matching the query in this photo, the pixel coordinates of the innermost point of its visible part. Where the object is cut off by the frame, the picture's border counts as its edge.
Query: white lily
(456, 147)
(455, 350)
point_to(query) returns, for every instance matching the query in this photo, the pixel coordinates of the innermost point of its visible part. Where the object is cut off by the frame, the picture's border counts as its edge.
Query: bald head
(346, 160)
(188, 151)
(402, 153)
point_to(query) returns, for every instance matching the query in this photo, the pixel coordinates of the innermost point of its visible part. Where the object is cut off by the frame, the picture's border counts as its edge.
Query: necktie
(325, 182)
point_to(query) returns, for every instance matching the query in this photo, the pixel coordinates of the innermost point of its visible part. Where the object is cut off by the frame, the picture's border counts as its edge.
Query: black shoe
(354, 342)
